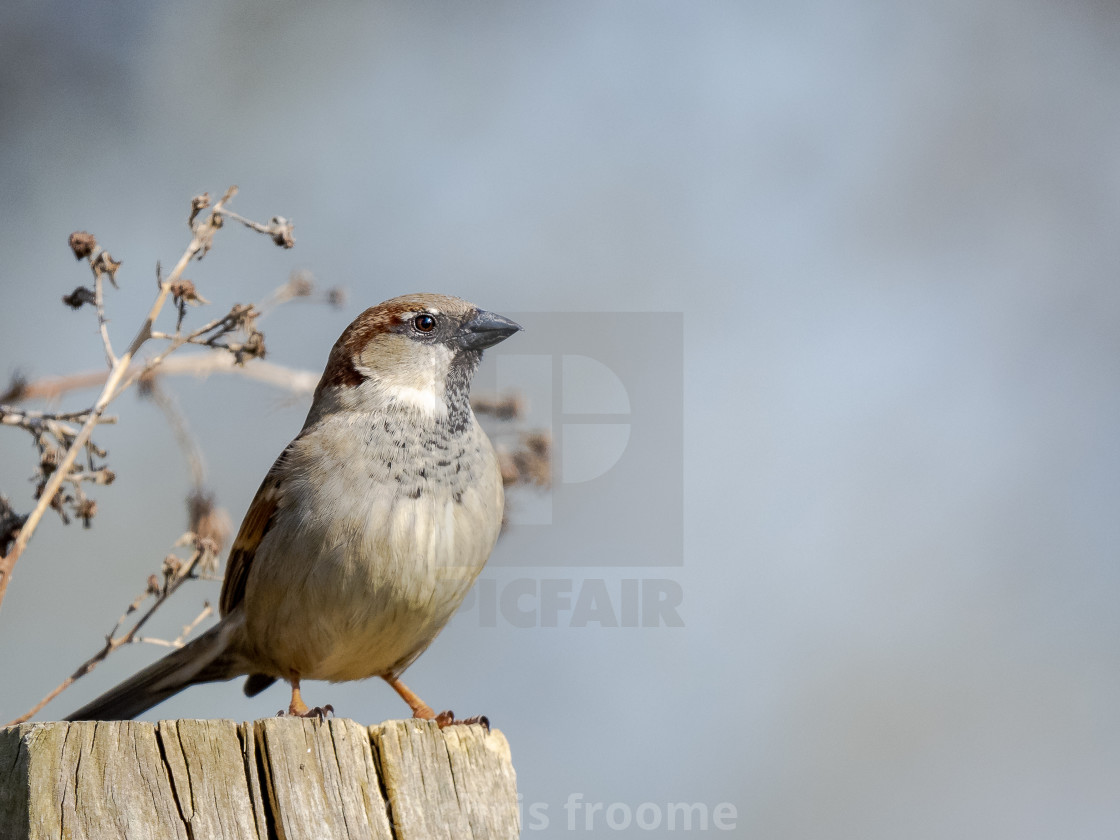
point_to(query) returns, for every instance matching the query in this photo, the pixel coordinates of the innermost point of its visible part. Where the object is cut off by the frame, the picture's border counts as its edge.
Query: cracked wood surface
(283, 778)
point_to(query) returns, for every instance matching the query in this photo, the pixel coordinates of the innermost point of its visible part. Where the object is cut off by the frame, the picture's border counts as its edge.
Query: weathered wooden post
(284, 778)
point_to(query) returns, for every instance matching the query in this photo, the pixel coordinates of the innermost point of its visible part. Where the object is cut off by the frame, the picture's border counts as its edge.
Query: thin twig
(102, 321)
(201, 365)
(112, 641)
(200, 243)
(180, 428)
(43, 422)
(174, 343)
(17, 416)
(51, 388)
(279, 228)
(181, 639)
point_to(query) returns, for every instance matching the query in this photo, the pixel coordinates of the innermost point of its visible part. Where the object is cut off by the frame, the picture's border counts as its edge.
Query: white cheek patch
(419, 383)
(427, 400)
(411, 376)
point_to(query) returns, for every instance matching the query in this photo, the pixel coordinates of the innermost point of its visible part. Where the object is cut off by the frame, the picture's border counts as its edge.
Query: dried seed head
(79, 296)
(49, 459)
(171, 566)
(85, 510)
(281, 230)
(336, 297)
(510, 473)
(539, 443)
(210, 524)
(10, 524)
(511, 407)
(534, 459)
(208, 559)
(253, 348)
(17, 389)
(147, 384)
(198, 204)
(301, 284)
(183, 291)
(82, 244)
(105, 264)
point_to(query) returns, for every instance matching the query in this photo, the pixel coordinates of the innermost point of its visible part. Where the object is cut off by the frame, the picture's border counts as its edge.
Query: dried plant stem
(180, 428)
(112, 641)
(200, 243)
(181, 639)
(33, 420)
(174, 342)
(102, 321)
(297, 382)
(51, 388)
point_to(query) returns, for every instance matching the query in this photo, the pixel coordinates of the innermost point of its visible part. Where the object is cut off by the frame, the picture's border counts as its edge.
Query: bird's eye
(424, 323)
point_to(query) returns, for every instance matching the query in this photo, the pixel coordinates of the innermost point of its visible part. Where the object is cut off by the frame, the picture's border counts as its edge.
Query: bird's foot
(422, 711)
(447, 718)
(320, 712)
(297, 708)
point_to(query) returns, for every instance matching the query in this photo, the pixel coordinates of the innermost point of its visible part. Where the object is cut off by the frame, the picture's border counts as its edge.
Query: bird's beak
(484, 330)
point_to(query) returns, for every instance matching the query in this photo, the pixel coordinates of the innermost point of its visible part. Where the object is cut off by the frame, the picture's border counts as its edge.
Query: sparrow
(370, 528)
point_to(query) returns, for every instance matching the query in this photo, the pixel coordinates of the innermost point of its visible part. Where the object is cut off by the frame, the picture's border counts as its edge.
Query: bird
(370, 528)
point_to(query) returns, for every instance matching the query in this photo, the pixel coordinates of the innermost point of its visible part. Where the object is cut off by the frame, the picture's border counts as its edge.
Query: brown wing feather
(257, 521)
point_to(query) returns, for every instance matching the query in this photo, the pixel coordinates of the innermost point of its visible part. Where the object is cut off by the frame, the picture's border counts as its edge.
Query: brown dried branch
(52, 436)
(508, 407)
(279, 228)
(175, 574)
(302, 285)
(297, 382)
(528, 461)
(99, 303)
(38, 421)
(84, 245)
(181, 639)
(123, 373)
(180, 428)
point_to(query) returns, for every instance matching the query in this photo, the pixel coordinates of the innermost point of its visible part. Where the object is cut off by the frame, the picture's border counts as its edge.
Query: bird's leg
(297, 708)
(423, 711)
(420, 709)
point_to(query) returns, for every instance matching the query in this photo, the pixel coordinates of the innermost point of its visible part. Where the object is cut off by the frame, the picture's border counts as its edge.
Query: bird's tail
(206, 659)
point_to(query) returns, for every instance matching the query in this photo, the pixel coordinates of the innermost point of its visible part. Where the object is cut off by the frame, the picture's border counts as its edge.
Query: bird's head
(414, 352)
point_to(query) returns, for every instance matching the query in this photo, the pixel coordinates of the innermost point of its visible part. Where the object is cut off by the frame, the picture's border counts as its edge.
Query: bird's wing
(257, 521)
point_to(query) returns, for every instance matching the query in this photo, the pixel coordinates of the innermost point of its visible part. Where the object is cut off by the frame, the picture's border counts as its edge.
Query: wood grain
(446, 786)
(286, 778)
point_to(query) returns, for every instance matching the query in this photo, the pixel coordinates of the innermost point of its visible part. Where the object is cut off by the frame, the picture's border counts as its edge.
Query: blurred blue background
(892, 232)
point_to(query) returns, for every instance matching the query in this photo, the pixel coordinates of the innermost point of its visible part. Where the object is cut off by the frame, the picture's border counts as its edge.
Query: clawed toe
(320, 712)
(422, 711)
(447, 718)
(297, 708)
